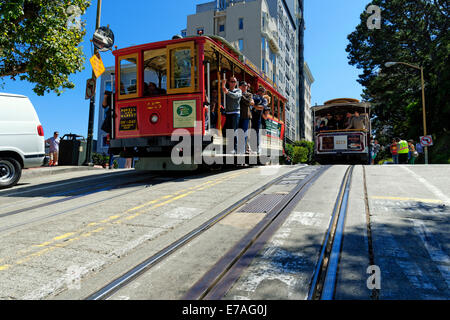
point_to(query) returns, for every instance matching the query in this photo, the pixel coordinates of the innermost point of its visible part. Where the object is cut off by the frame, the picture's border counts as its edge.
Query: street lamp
(390, 64)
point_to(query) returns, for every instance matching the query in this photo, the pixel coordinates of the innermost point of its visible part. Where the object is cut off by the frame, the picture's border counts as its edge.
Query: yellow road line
(408, 199)
(5, 267)
(82, 234)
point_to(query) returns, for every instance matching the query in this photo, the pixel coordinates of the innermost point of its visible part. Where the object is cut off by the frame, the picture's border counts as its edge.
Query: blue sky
(328, 22)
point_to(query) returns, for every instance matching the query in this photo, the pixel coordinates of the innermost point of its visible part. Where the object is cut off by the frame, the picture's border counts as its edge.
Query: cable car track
(129, 276)
(147, 183)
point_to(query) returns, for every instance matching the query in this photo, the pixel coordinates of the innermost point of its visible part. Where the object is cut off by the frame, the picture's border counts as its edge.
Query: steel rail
(147, 185)
(123, 280)
(91, 189)
(332, 270)
(218, 280)
(325, 275)
(54, 185)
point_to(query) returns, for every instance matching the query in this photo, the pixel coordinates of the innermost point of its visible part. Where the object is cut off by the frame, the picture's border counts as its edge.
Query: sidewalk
(44, 171)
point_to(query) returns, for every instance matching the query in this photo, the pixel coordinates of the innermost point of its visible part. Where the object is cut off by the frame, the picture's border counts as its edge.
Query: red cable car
(164, 89)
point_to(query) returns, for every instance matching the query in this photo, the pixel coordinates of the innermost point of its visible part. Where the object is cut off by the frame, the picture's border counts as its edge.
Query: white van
(21, 138)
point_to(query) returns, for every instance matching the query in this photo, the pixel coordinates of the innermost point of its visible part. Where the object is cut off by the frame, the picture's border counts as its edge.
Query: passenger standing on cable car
(233, 107)
(246, 114)
(107, 126)
(260, 105)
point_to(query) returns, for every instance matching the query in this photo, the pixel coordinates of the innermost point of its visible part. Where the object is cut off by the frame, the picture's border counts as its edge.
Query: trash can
(72, 150)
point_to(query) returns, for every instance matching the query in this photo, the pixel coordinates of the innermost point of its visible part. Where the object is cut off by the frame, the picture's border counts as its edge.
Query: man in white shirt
(54, 149)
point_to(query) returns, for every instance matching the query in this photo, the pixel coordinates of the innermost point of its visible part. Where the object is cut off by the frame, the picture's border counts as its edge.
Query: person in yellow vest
(403, 151)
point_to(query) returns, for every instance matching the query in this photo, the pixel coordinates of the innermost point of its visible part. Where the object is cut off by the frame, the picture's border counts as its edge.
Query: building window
(221, 28)
(241, 23)
(263, 43)
(241, 44)
(263, 65)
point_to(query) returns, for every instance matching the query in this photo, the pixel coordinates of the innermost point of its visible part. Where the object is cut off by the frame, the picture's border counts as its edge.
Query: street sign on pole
(90, 88)
(426, 141)
(97, 65)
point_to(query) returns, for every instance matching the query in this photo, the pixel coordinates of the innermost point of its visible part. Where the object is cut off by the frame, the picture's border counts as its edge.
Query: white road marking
(402, 258)
(182, 213)
(267, 268)
(438, 193)
(434, 250)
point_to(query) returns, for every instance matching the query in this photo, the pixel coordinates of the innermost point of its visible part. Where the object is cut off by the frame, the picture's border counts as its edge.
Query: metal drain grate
(263, 203)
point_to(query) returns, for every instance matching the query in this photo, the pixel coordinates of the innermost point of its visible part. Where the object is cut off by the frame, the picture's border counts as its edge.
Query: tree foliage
(301, 152)
(40, 41)
(415, 32)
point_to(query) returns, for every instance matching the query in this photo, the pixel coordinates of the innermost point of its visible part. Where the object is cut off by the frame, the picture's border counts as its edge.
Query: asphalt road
(65, 236)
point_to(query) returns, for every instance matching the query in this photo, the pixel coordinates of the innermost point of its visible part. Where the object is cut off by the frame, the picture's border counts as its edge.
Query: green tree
(39, 41)
(300, 155)
(416, 32)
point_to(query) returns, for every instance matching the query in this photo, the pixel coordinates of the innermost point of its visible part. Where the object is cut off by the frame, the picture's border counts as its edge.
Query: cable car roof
(342, 103)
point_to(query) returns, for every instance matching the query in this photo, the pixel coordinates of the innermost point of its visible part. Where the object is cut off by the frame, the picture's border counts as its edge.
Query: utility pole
(92, 100)
(424, 112)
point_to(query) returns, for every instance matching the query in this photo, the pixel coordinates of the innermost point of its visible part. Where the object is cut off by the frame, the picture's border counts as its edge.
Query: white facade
(308, 117)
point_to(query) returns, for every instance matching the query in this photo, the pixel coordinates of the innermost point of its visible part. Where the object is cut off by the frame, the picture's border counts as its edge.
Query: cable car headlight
(154, 118)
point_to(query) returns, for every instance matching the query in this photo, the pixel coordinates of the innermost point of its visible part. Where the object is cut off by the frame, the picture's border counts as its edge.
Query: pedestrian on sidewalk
(403, 151)
(53, 142)
(375, 150)
(394, 151)
(419, 149)
(413, 154)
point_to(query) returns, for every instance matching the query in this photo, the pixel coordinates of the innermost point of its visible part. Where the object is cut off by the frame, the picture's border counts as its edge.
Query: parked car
(21, 138)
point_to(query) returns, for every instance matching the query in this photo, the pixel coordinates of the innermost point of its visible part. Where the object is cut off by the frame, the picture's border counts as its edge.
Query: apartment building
(307, 116)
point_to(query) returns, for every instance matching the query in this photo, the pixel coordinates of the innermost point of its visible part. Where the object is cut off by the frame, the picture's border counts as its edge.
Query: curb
(46, 171)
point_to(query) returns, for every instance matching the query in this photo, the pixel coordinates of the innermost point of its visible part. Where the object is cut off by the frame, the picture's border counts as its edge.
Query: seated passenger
(320, 120)
(331, 123)
(340, 121)
(322, 127)
(146, 93)
(152, 89)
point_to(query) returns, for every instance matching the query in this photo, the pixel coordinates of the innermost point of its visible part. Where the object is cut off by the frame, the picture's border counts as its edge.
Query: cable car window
(128, 73)
(155, 72)
(182, 68)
